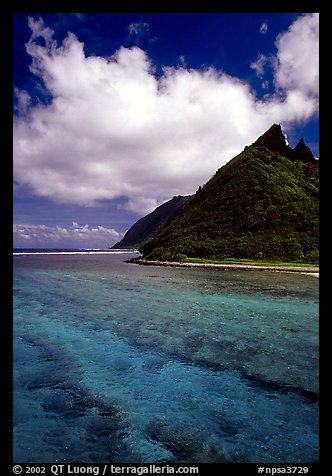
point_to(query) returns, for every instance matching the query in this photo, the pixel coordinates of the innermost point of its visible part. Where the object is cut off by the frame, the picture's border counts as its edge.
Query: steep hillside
(260, 205)
(153, 224)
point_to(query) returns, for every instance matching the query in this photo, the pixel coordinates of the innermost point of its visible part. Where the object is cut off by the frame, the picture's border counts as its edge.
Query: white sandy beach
(308, 270)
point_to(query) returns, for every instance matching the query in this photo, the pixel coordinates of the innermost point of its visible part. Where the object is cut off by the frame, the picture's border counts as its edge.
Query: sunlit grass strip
(246, 261)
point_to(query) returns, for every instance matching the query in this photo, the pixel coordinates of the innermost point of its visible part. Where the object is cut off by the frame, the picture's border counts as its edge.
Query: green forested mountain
(260, 205)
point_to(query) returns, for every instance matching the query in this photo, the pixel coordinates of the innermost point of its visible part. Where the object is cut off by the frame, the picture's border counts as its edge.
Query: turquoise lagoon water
(115, 362)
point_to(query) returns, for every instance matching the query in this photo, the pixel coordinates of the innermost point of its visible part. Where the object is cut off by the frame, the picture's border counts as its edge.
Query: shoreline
(308, 270)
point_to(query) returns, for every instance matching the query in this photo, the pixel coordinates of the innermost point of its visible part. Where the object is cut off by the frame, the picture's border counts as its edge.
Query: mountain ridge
(262, 204)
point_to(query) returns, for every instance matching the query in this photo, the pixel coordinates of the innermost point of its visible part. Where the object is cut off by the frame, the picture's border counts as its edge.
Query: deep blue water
(115, 362)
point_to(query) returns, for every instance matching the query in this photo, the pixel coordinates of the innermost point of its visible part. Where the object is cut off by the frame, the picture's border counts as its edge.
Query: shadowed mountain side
(155, 223)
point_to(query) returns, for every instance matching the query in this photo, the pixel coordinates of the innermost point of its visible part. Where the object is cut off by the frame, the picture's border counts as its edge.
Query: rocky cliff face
(303, 152)
(274, 140)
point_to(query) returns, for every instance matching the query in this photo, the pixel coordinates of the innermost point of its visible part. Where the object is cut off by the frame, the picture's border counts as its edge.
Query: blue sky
(116, 113)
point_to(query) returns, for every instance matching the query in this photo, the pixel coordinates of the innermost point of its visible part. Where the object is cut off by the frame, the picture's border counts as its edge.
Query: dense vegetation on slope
(260, 205)
(153, 224)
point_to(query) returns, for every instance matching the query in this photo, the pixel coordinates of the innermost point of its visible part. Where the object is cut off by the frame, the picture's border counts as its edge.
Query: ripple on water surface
(116, 363)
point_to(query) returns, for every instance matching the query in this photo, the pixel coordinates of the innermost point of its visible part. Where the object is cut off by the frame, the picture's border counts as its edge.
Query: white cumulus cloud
(297, 65)
(115, 129)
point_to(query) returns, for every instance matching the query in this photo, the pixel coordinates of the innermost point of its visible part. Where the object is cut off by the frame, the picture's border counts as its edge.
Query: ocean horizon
(32, 251)
(120, 363)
